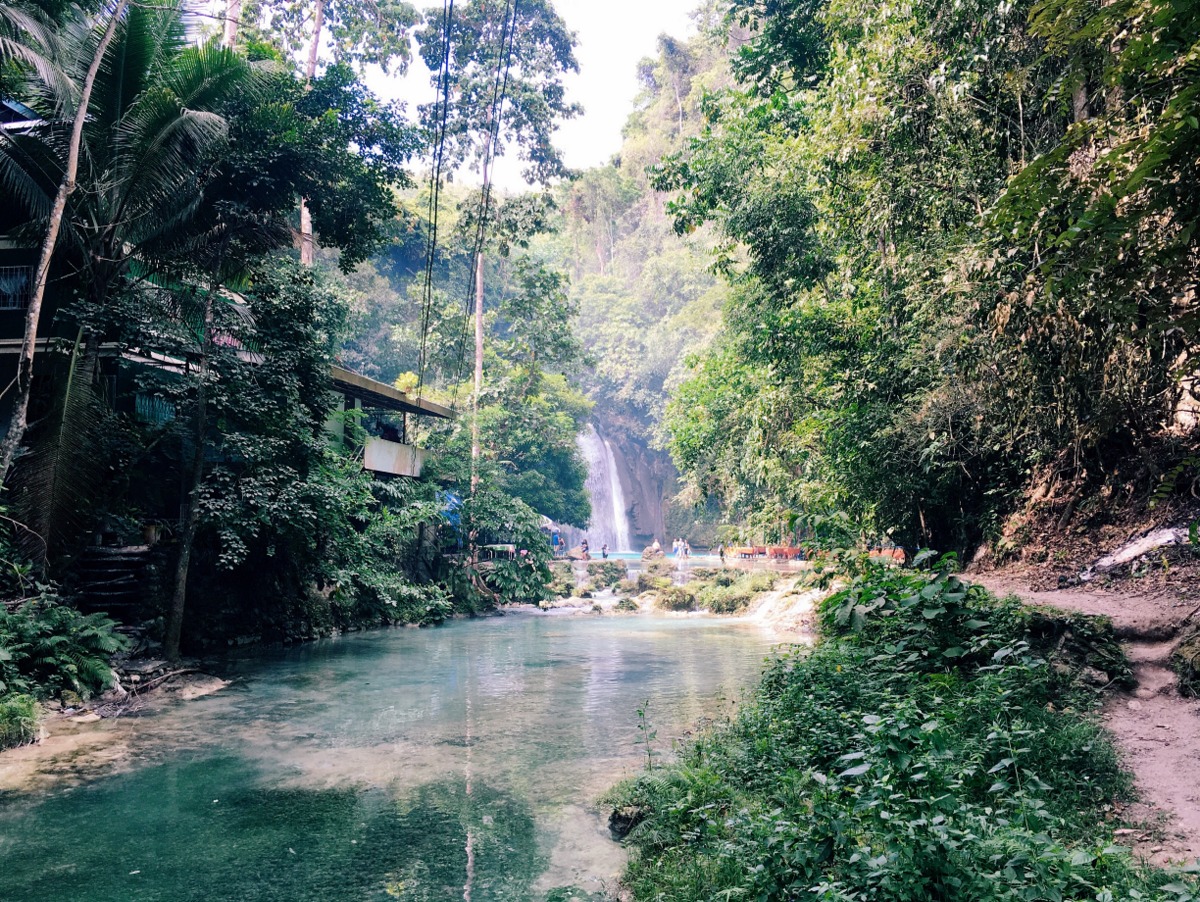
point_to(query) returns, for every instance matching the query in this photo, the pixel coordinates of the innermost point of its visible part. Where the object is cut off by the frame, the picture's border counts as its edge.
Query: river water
(457, 763)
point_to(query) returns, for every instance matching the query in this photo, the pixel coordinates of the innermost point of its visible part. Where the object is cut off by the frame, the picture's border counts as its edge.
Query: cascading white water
(610, 518)
(621, 520)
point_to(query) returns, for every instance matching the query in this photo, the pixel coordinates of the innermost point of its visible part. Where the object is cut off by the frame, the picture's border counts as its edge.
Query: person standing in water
(604, 551)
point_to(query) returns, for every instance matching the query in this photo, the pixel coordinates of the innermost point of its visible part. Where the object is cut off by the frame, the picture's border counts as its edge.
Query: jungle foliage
(215, 425)
(937, 743)
(961, 250)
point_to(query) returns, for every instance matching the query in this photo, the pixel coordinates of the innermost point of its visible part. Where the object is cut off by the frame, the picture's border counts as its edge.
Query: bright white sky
(612, 36)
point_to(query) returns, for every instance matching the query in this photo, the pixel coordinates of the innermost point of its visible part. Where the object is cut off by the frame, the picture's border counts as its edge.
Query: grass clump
(18, 720)
(730, 592)
(937, 744)
(606, 574)
(676, 598)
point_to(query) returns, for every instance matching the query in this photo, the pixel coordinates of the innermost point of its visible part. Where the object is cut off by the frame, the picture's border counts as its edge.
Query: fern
(47, 647)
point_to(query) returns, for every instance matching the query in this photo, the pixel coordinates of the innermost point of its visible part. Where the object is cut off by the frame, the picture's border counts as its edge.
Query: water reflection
(400, 764)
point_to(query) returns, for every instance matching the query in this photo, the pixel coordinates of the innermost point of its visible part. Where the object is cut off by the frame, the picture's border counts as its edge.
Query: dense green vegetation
(961, 245)
(172, 254)
(938, 743)
(49, 650)
(955, 251)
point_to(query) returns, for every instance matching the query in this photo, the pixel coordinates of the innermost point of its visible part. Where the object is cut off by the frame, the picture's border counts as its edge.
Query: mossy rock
(627, 606)
(658, 568)
(731, 594)
(648, 582)
(562, 580)
(1083, 642)
(676, 598)
(606, 573)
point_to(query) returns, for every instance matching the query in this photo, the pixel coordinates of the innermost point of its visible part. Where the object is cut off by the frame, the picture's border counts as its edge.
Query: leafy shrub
(676, 598)
(501, 519)
(606, 573)
(627, 586)
(18, 720)
(876, 767)
(932, 620)
(47, 647)
(626, 606)
(562, 580)
(648, 582)
(729, 593)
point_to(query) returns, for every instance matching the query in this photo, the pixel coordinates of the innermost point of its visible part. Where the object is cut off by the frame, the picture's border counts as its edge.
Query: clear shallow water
(455, 763)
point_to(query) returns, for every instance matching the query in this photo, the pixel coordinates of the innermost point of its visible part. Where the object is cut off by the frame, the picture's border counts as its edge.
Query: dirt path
(1156, 729)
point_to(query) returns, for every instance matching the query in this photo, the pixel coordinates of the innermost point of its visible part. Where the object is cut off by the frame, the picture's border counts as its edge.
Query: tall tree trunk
(1079, 102)
(475, 450)
(475, 447)
(307, 255)
(310, 68)
(16, 428)
(233, 17)
(190, 518)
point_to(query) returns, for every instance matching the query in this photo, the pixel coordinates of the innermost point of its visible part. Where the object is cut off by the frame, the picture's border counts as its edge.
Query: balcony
(381, 455)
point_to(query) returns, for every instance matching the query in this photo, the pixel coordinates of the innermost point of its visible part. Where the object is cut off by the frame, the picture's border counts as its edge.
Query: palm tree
(116, 169)
(146, 131)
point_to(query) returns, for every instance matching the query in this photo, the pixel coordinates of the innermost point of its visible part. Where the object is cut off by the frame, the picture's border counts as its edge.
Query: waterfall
(610, 517)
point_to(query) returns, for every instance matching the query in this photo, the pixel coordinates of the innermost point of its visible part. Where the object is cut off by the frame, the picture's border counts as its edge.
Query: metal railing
(16, 287)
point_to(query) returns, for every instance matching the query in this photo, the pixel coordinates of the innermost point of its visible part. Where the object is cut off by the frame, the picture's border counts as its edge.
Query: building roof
(383, 396)
(15, 115)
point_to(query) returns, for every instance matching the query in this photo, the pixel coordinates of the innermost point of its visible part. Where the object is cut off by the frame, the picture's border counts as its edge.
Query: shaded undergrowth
(938, 743)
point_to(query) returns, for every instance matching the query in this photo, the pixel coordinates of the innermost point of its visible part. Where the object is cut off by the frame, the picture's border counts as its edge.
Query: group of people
(562, 550)
(681, 548)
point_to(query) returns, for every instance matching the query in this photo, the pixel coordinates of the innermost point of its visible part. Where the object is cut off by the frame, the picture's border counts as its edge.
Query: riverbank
(75, 744)
(938, 743)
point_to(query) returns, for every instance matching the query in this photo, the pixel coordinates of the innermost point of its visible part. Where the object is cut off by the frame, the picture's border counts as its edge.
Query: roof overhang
(382, 396)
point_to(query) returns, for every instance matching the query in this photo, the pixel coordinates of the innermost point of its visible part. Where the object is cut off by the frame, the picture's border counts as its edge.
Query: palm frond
(30, 40)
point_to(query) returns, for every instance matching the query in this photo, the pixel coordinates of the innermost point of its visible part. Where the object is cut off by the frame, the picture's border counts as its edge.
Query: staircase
(113, 579)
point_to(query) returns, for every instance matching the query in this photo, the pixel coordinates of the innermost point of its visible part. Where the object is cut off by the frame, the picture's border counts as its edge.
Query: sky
(612, 36)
